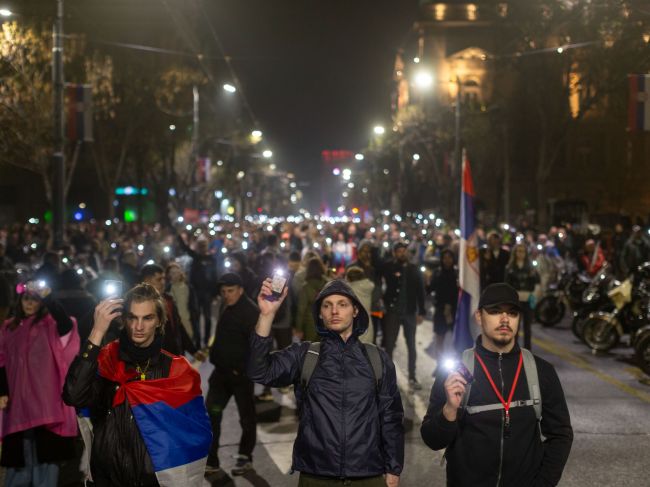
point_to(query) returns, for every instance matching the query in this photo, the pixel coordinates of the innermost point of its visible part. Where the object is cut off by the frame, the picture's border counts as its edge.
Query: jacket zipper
(502, 425)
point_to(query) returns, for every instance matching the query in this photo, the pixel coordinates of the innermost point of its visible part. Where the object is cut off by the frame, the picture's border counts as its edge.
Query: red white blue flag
(639, 103)
(465, 328)
(170, 414)
(79, 113)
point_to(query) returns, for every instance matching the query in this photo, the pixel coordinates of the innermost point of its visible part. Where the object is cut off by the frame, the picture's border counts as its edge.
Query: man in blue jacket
(350, 424)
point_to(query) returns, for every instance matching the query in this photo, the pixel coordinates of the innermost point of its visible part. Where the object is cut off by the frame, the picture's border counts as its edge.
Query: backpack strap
(530, 367)
(309, 364)
(468, 360)
(310, 361)
(371, 352)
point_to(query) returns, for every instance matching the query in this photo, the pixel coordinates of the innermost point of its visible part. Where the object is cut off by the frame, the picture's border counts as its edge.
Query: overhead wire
(228, 61)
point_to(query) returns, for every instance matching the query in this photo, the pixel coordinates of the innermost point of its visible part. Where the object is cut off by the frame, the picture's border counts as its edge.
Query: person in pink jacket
(37, 346)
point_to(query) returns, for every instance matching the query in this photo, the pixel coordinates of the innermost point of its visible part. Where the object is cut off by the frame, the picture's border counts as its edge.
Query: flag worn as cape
(170, 414)
(465, 328)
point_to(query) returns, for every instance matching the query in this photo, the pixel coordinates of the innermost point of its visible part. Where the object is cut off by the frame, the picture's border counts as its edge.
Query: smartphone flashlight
(278, 283)
(458, 366)
(112, 289)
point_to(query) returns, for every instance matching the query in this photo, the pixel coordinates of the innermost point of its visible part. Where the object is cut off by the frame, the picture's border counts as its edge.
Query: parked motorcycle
(566, 293)
(603, 330)
(594, 298)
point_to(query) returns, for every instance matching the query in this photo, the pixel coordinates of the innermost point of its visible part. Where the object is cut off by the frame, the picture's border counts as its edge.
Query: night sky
(317, 74)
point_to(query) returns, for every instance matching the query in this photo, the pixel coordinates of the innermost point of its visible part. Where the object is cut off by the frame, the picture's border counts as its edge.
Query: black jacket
(203, 270)
(176, 340)
(493, 269)
(346, 429)
(393, 272)
(474, 442)
(119, 456)
(236, 323)
(80, 304)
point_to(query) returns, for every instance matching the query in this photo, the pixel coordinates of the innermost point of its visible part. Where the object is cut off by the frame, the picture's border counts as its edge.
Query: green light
(130, 191)
(47, 216)
(130, 216)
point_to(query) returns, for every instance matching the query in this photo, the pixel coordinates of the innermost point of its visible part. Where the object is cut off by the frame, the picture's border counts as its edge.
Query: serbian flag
(639, 103)
(170, 414)
(79, 123)
(465, 328)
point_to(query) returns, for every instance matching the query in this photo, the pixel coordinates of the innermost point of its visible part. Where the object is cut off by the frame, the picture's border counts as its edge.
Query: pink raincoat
(37, 359)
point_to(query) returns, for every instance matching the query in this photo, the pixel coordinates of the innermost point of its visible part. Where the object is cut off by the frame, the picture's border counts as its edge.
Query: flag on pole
(465, 328)
(79, 123)
(170, 414)
(639, 103)
(203, 170)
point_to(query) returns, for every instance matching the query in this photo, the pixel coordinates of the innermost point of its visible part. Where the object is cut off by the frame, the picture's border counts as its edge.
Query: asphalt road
(608, 398)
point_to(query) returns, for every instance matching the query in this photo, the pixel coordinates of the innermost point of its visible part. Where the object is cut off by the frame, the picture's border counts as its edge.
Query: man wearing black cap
(494, 436)
(404, 302)
(350, 430)
(228, 354)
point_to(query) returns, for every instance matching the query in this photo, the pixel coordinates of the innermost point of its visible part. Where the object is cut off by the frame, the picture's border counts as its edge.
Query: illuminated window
(502, 8)
(439, 11)
(472, 11)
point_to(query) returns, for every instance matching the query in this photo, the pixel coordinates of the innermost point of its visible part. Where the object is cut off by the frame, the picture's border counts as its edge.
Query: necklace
(139, 370)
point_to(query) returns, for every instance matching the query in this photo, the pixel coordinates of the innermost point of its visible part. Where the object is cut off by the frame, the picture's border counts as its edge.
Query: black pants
(525, 323)
(391, 323)
(223, 385)
(205, 309)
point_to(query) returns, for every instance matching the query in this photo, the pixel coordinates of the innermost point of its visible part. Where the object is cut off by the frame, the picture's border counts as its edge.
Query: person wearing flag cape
(149, 420)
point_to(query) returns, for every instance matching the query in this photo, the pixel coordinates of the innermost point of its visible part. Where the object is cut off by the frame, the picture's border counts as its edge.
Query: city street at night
(364, 243)
(607, 396)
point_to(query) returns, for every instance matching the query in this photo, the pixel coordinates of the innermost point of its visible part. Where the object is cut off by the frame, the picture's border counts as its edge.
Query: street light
(256, 133)
(267, 154)
(359, 157)
(423, 80)
(379, 130)
(172, 127)
(229, 88)
(5, 12)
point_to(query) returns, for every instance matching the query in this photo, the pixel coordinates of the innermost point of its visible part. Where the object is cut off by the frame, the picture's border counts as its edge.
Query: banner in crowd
(639, 103)
(465, 328)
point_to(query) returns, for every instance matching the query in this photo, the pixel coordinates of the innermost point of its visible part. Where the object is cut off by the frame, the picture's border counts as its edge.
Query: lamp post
(58, 156)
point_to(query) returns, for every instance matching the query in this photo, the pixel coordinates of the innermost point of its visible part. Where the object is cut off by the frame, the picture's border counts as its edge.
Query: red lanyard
(506, 405)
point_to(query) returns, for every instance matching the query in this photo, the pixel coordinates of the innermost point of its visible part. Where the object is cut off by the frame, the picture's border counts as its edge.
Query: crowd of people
(205, 287)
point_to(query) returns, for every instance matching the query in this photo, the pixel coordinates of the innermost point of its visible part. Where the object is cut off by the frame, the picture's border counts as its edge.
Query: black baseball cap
(400, 244)
(497, 294)
(230, 279)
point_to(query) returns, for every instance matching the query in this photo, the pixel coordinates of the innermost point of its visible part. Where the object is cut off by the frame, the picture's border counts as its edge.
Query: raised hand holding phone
(268, 306)
(105, 312)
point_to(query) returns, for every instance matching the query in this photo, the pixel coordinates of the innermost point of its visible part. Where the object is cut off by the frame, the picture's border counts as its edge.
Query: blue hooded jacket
(347, 428)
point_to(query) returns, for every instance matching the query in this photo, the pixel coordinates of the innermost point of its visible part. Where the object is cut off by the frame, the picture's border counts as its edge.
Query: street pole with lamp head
(58, 156)
(458, 163)
(195, 145)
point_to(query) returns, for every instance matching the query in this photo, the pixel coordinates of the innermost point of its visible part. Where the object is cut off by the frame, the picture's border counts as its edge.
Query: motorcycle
(567, 292)
(594, 298)
(603, 330)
